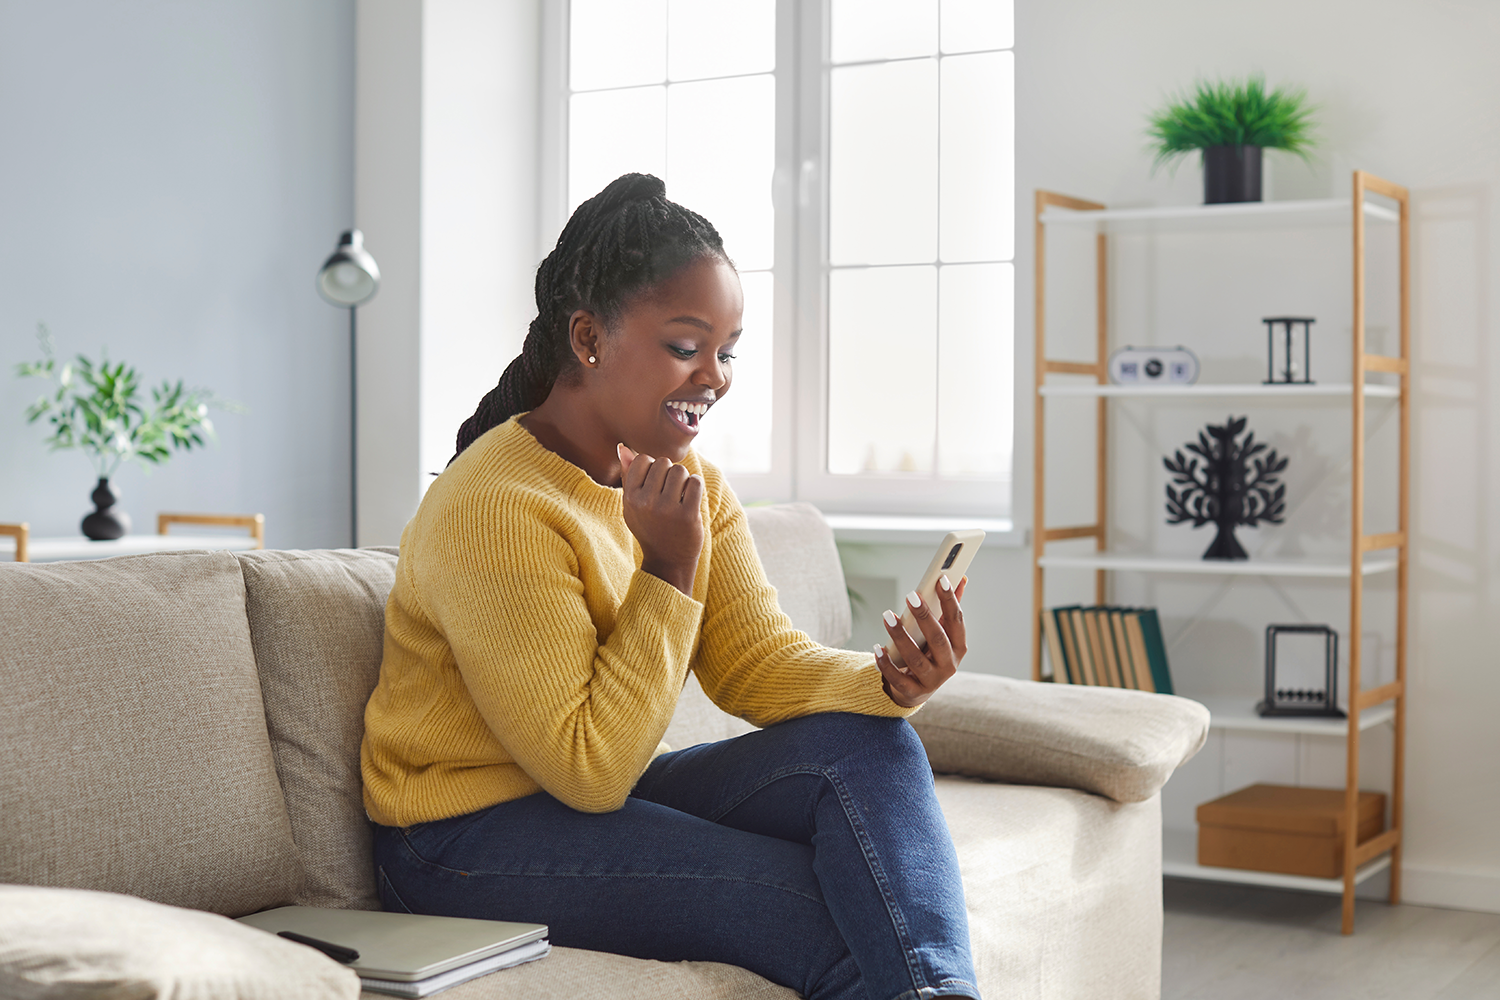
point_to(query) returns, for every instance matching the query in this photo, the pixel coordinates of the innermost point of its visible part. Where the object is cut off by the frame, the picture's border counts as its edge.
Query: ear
(585, 335)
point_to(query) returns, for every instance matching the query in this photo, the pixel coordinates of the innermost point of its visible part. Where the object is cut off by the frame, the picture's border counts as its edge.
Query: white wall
(1406, 91)
(447, 153)
(173, 175)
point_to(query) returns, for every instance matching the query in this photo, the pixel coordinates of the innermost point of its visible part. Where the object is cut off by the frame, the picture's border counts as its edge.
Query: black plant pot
(1225, 545)
(1230, 174)
(104, 523)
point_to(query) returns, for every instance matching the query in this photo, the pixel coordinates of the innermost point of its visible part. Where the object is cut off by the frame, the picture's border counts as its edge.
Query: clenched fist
(662, 510)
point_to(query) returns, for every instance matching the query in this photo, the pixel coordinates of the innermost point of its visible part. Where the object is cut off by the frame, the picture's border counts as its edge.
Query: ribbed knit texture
(525, 649)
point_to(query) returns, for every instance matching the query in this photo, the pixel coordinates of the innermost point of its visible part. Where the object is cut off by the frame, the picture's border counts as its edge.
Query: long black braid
(622, 241)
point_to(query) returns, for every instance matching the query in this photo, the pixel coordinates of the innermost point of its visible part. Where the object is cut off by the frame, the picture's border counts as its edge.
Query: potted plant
(1231, 122)
(99, 408)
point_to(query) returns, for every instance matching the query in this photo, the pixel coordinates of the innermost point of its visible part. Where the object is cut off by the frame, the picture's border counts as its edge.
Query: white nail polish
(879, 651)
(943, 582)
(914, 600)
(891, 619)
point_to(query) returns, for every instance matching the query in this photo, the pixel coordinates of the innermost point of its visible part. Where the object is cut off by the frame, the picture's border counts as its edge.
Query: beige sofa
(185, 728)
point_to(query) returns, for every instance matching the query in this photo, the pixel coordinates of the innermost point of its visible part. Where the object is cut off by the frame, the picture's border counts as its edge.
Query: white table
(75, 547)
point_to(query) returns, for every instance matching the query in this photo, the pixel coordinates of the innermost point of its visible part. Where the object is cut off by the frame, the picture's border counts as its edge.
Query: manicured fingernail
(943, 582)
(890, 618)
(914, 600)
(879, 651)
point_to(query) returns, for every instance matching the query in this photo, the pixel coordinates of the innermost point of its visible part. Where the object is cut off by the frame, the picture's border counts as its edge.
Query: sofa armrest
(1123, 745)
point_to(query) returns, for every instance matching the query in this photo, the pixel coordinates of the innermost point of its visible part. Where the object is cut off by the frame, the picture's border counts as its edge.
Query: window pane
(972, 25)
(721, 153)
(882, 369)
(719, 38)
(978, 157)
(975, 382)
(736, 434)
(614, 132)
(617, 43)
(883, 29)
(882, 192)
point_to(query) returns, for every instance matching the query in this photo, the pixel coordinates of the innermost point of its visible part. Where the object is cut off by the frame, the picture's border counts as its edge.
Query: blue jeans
(812, 853)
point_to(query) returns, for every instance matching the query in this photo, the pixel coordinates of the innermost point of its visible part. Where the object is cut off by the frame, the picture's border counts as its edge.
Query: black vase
(1231, 174)
(104, 523)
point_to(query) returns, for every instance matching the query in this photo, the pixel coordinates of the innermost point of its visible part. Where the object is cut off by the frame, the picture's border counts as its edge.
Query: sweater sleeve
(581, 712)
(753, 662)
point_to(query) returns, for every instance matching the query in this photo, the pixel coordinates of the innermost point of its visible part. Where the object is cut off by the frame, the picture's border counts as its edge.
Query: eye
(724, 359)
(682, 352)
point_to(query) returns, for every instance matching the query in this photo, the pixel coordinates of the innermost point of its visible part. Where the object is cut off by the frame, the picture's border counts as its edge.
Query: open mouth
(687, 414)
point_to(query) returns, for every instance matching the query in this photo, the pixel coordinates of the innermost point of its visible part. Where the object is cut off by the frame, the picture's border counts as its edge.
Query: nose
(712, 373)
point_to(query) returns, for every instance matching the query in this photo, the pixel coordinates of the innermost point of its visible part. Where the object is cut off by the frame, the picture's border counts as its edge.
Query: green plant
(1233, 113)
(99, 408)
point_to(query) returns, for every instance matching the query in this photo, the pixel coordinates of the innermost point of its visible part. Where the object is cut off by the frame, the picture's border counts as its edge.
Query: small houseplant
(1231, 121)
(100, 409)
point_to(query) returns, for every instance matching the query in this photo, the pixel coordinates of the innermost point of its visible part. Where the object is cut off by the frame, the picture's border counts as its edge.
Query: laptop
(402, 947)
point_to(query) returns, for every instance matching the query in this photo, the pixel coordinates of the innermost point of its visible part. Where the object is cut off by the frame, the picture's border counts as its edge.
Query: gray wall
(173, 174)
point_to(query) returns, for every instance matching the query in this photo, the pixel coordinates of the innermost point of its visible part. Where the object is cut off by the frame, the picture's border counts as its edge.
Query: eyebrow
(703, 325)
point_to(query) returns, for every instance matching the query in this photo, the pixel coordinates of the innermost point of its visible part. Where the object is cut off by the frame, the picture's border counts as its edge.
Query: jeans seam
(861, 836)
(654, 875)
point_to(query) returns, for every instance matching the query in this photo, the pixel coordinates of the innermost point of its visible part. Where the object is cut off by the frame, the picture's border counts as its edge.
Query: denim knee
(846, 734)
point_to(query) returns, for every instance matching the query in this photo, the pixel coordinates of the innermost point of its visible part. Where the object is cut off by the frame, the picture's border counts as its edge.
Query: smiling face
(664, 361)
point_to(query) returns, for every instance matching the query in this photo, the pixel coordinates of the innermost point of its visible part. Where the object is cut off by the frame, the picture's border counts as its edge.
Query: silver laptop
(403, 947)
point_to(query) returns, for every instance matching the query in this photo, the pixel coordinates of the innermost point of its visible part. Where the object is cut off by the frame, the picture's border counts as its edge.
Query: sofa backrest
(317, 621)
(136, 757)
(146, 756)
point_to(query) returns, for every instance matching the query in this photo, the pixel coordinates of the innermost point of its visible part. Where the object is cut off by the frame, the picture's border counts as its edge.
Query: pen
(337, 952)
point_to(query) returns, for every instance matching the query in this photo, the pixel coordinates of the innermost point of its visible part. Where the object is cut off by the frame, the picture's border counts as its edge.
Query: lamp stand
(353, 434)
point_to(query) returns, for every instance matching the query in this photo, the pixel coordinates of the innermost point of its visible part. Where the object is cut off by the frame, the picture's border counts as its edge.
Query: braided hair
(624, 240)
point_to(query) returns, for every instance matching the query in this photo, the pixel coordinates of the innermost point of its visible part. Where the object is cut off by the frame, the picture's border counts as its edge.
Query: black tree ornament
(1234, 485)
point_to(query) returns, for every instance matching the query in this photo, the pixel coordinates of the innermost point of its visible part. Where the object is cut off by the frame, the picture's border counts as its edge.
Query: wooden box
(1280, 828)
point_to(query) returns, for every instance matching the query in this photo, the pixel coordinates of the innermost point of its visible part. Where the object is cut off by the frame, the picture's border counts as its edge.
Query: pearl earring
(593, 360)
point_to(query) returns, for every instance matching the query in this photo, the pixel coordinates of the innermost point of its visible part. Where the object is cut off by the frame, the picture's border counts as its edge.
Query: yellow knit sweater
(526, 650)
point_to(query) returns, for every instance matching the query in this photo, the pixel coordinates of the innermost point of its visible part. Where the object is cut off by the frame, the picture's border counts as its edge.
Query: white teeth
(697, 408)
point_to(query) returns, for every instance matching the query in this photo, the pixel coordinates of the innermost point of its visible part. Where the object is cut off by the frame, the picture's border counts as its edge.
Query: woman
(559, 580)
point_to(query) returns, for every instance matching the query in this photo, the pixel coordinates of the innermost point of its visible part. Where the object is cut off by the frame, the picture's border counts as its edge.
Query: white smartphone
(952, 560)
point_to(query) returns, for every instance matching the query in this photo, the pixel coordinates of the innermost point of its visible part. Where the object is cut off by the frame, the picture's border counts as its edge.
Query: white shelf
(1248, 215)
(69, 549)
(1239, 713)
(1317, 390)
(1180, 860)
(1333, 569)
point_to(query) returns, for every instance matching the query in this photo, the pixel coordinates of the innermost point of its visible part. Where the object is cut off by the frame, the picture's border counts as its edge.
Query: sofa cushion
(796, 548)
(575, 974)
(60, 944)
(134, 737)
(317, 620)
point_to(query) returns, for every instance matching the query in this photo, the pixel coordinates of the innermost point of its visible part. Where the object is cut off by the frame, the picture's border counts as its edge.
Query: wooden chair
(254, 523)
(21, 533)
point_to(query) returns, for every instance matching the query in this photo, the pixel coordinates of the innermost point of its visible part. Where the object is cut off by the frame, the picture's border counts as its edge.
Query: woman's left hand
(925, 669)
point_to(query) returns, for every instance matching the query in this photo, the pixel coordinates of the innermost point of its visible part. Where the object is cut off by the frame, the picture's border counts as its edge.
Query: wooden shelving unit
(1368, 554)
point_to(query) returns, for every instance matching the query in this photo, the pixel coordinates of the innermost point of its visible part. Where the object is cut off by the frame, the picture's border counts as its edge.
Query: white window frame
(799, 429)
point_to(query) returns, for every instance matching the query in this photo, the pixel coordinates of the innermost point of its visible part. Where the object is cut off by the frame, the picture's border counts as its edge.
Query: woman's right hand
(662, 509)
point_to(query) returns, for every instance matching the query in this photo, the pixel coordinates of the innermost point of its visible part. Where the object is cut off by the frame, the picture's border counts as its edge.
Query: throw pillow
(58, 944)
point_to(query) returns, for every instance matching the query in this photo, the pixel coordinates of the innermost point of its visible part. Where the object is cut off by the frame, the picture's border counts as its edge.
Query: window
(857, 156)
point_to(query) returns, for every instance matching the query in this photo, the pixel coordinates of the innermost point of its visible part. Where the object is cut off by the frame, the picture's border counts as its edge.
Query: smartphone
(951, 560)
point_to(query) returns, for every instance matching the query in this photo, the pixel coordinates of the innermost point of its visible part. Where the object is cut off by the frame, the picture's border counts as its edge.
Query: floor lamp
(349, 279)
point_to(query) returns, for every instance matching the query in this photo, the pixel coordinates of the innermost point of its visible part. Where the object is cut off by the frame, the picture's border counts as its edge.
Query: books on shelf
(1107, 647)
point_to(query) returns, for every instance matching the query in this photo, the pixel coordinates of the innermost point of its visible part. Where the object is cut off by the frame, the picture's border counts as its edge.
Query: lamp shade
(350, 277)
